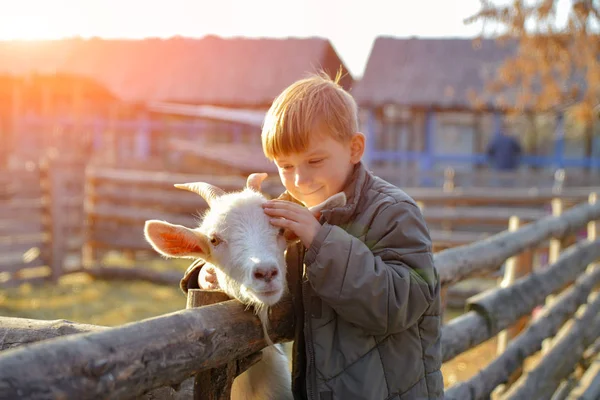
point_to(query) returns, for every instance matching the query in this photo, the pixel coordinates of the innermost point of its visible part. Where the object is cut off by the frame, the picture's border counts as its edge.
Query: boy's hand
(207, 278)
(296, 218)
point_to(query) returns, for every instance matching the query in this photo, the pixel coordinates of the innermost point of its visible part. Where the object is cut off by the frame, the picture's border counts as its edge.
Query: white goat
(235, 236)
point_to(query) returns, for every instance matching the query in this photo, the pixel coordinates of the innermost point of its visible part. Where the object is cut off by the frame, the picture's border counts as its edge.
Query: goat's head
(236, 237)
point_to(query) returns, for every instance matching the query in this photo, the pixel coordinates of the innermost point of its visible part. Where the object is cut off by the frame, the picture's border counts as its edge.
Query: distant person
(504, 152)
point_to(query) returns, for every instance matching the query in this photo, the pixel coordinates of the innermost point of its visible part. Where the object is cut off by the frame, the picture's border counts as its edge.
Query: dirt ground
(80, 299)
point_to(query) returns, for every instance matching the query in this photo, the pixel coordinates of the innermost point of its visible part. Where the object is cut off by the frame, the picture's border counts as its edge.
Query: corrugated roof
(239, 72)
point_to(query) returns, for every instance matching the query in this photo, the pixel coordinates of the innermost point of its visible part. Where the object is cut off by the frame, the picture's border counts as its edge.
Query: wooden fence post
(554, 249)
(215, 384)
(592, 232)
(449, 183)
(88, 250)
(53, 187)
(516, 267)
(559, 181)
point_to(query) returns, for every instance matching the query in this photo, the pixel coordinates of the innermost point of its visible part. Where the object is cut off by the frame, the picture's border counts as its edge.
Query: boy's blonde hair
(316, 102)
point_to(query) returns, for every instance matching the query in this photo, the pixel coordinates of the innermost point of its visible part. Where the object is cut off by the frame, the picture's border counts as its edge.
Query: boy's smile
(322, 170)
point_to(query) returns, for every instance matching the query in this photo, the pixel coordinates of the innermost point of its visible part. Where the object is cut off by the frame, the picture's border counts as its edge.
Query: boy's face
(321, 171)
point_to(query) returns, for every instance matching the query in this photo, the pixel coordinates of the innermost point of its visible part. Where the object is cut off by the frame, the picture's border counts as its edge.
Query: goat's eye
(215, 240)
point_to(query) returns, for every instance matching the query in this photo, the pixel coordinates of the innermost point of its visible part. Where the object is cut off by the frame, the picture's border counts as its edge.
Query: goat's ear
(337, 200)
(176, 240)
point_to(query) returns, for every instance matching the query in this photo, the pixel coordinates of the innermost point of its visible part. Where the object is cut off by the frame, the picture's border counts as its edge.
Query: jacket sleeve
(385, 285)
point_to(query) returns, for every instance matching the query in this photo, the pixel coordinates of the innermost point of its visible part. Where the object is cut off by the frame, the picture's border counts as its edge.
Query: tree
(557, 61)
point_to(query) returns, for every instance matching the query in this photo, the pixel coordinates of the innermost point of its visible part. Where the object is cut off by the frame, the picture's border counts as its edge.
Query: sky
(350, 25)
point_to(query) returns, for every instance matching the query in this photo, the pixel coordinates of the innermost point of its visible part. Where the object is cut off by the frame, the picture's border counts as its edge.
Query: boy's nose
(301, 179)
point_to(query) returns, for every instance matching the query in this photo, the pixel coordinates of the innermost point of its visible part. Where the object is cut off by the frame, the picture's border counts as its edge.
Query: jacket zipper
(310, 377)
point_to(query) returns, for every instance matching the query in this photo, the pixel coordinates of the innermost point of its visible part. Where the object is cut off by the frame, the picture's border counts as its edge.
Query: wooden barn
(417, 98)
(224, 76)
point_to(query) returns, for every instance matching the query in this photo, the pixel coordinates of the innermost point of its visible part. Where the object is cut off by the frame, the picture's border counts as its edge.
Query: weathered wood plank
(455, 238)
(528, 342)
(21, 248)
(171, 198)
(129, 360)
(561, 358)
(126, 239)
(121, 213)
(16, 227)
(486, 255)
(168, 179)
(495, 196)
(14, 262)
(481, 215)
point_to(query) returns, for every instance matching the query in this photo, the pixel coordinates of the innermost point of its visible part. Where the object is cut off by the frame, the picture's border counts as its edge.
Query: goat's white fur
(246, 240)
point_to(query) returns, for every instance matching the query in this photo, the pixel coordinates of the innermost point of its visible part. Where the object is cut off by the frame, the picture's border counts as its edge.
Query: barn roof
(428, 72)
(238, 72)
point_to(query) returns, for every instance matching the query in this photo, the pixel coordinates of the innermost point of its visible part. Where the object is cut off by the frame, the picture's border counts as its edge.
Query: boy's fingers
(281, 204)
(275, 212)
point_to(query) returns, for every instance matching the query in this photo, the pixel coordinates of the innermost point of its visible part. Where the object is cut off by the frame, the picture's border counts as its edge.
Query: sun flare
(31, 27)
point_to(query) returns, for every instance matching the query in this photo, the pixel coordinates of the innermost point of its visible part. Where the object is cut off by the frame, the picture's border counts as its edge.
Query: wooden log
(463, 333)
(527, 343)
(16, 332)
(487, 319)
(126, 361)
(486, 255)
(589, 354)
(588, 388)
(502, 307)
(561, 358)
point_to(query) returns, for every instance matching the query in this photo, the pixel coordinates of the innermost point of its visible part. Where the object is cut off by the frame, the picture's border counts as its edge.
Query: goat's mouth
(268, 293)
(269, 297)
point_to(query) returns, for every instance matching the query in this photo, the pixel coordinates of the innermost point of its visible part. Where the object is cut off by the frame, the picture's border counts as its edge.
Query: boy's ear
(337, 200)
(357, 147)
(176, 240)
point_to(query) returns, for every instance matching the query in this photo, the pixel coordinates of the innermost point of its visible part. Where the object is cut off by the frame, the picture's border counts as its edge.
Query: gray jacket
(368, 322)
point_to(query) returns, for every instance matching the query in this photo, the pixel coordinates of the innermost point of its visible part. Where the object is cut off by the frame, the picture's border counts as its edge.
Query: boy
(367, 305)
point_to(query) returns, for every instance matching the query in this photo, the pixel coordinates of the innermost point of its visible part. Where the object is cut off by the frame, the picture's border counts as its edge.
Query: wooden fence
(63, 214)
(41, 220)
(150, 358)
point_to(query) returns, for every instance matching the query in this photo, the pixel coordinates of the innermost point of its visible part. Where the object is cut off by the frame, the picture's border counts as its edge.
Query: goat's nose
(266, 273)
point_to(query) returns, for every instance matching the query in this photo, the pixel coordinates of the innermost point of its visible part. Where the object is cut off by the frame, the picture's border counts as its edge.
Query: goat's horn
(255, 180)
(208, 192)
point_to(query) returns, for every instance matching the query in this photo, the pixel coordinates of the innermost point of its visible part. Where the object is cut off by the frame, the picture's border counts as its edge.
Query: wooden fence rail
(60, 216)
(133, 359)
